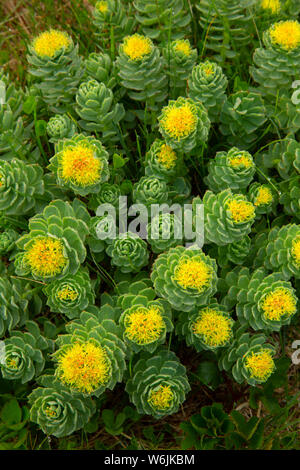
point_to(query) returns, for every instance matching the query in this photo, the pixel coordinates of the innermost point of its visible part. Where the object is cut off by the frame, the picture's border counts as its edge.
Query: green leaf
(209, 374)
(119, 161)
(29, 104)
(11, 412)
(40, 128)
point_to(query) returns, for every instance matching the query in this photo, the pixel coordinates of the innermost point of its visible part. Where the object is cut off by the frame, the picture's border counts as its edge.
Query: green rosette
(283, 156)
(102, 231)
(80, 164)
(158, 384)
(150, 190)
(99, 67)
(13, 306)
(60, 127)
(235, 252)
(290, 197)
(13, 139)
(20, 185)
(282, 251)
(7, 241)
(71, 294)
(228, 217)
(242, 114)
(263, 302)
(109, 194)
(154, 18)
(141, 70)
(164, 231)
(184, 124)
(56, 410)
(113, 15)
(128, 252)
(207, 83)
(98, 112)
(11, 95)
(130, 288)
(97, 344)
(54, 246)
(227, 24)
(249, 358)
(180, 58)
(234, 169)
(163, 162)
(56, 65)
(263, 197)
(24, 354)
(206, 328)
(185, 277)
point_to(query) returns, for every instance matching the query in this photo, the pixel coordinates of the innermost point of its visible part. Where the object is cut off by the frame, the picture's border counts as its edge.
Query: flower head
(137, 47)
(213, 327)
(264, 196)
(166, 156)
(67, 293)
(84, 367)
(241, 161)
(45, 257)
(208, 68)
(79, 165)
(102, 6)
(286, 34)
(144, 325)
(49, 43)
(183, 46)
(272, 5)
(279, 304)
(260, 364)
(295, 251)
(161, 398)
(193, 273)
(241, 211)
(179, 121)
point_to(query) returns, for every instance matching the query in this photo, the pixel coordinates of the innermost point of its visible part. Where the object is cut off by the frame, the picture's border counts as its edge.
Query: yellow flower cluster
(193, 274)
(161, 398)
(260, 364)
(47, 44)
(214, 327)
(144, 325)
(45, 257)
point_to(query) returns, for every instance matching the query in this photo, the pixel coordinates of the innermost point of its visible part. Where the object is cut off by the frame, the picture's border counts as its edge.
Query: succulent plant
(58, 411)
(263, 197)
(180, 59)
(13, 139)
(7, 240)
(235, 252)
(163, 162)
(164, 231)
(99, 67)
(207, 83)
(128, 252)
(103, 231)
(290, 196)
(60, 127)
(185, 277)
(158, 385)
(56, 65)
(184, 124)
(80, 164)
(234, 169)
(13, 306)
(108, 194)
(150, 190)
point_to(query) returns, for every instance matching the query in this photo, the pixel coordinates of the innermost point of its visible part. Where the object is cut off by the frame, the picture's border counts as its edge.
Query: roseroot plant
(97, 346)
(70, 295)
(263, 302)
(164, 162)
(13, 305)
(7, 241)
(113, 20)
(207, 83)
(100, 67)
(158, 384)
(20, 185)
(206, 328)
(108, 194)
(24, 354)
(263, 197)
(228, 217)
(60, 126)
(128, 252)
(80, 164)
(102, 232)
(234, 169)
(58, 411)
(185, 277)
(164, 232)
(13, 139)
(249, 358)
(180, 58)
(163, 19)
(184, 124)
(141, 69)
(98, 111)
(283, 156)
(235, 252)
(56, 66)
(150, 190)
(290, 196)
(242, 114)
(54, 246)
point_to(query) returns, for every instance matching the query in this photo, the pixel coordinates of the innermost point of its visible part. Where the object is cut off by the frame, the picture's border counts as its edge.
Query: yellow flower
(67, 293)
(167, 157)
(193, 274)
(136, 47)
(208, 69)
(295, 251)
(102, 7)
(272, 5)
(214, 327)
(84, 367)
(279, 303)
(183, 46)
(286, 34)
(179, 121)
(79, 166)
(240, 211)
(161, 398)
(45, 257)
(260, 364)
(12, 363)
(264, 196)
(144, 325)
(50, 412)
(47, 44)
(243, 160)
